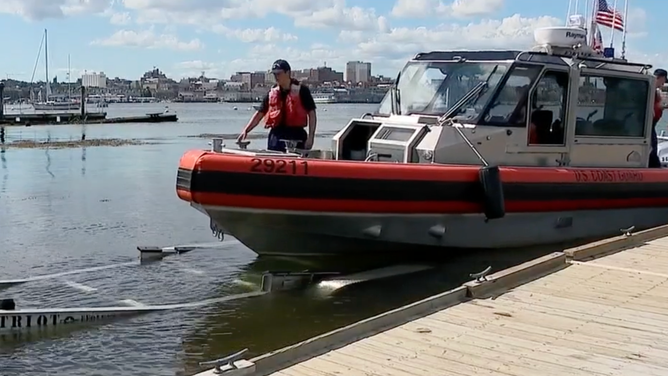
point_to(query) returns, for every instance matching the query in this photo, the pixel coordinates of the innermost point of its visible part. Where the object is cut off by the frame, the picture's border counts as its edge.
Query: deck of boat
(600, 309)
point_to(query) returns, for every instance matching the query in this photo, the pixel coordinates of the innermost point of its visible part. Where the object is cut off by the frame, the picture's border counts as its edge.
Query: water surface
(65, 209)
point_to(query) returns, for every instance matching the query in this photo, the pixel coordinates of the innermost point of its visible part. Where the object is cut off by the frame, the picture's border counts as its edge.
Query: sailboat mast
(69, 77)
(46, 54)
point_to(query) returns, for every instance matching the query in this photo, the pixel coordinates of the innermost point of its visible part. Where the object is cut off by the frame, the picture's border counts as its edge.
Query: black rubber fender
(493, 201)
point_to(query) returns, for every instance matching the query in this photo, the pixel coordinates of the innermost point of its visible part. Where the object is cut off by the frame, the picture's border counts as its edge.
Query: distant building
(316, 76)
(249, 79)
(357, 71)
(93, 79)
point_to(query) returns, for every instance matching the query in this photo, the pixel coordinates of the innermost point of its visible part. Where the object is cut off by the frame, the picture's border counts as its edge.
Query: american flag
(597, 43)
(608, 16)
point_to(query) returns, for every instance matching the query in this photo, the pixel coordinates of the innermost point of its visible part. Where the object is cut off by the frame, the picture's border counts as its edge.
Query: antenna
(614, 23)
(626, 25)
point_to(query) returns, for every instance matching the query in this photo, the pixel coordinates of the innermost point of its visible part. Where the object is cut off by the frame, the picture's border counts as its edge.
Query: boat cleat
(231, 365)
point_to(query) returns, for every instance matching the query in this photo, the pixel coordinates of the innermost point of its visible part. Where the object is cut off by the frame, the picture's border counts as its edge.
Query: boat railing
(662, 136)
(218, 146)
(580, 53)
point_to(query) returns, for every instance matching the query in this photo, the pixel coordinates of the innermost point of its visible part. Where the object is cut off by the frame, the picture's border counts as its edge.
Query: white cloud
(340, 16)
(458, 8)
(415, 8)
(472, 8)
(511, 32)
(78, 7)
(148, 39)
(394, 47)
(194, 68)
(210, 12)
(120, 18)
(36, 10)
(267, 35)
(260, 57)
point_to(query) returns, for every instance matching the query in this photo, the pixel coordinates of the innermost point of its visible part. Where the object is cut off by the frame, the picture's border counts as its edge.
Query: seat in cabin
(542, 122)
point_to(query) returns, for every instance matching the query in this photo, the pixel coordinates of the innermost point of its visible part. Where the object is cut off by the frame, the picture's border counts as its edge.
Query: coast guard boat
(469, 149)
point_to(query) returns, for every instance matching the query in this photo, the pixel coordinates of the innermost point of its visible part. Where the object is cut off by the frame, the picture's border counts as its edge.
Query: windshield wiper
(476, 92)
(395, 99)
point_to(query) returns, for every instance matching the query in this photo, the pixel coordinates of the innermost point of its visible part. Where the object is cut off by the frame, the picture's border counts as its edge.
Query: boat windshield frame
(456, 75)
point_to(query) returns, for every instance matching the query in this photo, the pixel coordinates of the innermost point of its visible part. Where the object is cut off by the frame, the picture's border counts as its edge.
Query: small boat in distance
(56, 106)
(321, 98)
(48, 104)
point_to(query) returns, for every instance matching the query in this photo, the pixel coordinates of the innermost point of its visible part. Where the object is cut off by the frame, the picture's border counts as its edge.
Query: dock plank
(604, 316)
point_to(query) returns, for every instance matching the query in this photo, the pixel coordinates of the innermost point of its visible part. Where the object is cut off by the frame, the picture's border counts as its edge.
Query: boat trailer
(14, 320)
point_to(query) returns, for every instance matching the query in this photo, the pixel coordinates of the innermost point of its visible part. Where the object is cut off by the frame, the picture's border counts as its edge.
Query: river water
(65, 209)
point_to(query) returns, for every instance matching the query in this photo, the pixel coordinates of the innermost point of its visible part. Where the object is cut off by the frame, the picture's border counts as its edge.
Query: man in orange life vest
(661, 76)
(288, 107)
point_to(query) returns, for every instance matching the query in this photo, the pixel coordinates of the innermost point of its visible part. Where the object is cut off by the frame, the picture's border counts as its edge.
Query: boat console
(351, 142)
(382, 140)
(396, 143)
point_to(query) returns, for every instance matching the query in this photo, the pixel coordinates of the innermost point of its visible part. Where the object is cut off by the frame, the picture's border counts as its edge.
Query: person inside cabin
(661, 76)
(7, 304)
(522, 93)
(289, 108)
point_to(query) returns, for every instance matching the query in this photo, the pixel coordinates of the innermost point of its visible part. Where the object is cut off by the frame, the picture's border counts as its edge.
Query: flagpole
(592, 23)
(626, 25)
(612, 29)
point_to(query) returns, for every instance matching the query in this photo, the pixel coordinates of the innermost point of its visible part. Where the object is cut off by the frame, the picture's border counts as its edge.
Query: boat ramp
(598, 309)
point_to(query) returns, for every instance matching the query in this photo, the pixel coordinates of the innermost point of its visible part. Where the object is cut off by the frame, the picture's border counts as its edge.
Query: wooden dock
(50, 118)
(599, 309)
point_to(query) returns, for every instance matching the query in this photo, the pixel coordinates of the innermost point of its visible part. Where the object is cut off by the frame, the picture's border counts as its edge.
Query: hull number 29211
(279, 166)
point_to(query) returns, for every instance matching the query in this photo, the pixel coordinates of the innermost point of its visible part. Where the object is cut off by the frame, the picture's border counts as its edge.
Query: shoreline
(73, 144)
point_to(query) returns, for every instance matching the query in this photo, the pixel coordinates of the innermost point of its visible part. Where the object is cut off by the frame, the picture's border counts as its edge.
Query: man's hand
(309, 143)
(242, 136)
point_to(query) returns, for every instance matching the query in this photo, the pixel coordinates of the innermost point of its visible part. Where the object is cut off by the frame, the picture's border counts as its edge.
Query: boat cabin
(554, 105)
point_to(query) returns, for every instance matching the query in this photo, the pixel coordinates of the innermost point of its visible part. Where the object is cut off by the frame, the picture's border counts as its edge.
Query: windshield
(432, 88)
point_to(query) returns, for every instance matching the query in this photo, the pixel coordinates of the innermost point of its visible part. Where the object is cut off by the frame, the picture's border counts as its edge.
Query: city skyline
(124, 38)
(354, 72)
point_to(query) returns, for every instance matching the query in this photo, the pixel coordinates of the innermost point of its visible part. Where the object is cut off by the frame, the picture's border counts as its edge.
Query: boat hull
(56, 106)
(316, 234)
(286, 205)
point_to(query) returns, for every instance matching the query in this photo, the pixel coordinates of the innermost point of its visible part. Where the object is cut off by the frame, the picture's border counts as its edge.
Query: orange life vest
(533, 134)
(291, 114)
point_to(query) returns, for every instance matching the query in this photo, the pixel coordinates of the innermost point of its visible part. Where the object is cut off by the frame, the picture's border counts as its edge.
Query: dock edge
(494, 285)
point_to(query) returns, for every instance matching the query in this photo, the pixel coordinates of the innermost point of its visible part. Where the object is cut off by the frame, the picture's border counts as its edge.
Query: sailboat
(49, 105)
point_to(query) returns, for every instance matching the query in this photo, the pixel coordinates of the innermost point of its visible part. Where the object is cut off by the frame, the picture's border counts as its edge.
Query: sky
(125, 38)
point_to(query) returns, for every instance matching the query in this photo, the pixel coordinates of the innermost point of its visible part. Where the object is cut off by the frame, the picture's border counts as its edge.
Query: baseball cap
(661, 73)
(280, 65)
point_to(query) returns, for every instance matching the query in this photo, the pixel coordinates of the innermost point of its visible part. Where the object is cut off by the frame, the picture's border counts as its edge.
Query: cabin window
(433, 88)
(508, 108)
(548, 109)
(611, 106)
